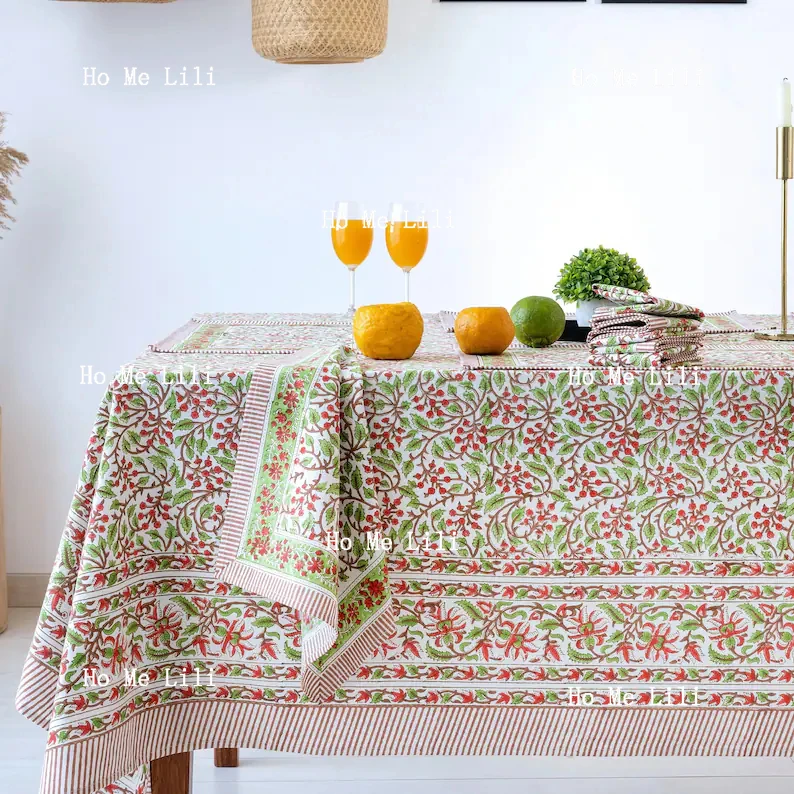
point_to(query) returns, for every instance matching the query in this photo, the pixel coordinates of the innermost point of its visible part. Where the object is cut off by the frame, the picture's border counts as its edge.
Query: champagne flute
(406, 238)
(351, 235)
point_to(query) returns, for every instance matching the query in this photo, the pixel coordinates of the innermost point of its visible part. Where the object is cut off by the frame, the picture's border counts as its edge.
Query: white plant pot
(585, 310)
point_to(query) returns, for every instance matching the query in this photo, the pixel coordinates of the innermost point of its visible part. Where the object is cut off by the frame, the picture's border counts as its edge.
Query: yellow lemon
(388, 330)
(484, 330)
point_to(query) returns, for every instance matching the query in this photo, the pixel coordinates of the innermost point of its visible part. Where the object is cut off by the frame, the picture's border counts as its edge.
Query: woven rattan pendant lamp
(319, 31)
(132, 1)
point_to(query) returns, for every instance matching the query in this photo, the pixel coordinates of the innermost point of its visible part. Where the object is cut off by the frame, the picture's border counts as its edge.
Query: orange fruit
(484, 330)
(388, 330)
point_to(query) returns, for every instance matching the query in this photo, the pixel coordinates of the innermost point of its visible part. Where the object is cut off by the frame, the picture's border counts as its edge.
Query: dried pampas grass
(11, 162)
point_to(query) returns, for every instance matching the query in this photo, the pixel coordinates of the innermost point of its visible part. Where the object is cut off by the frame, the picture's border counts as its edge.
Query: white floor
(21, 748)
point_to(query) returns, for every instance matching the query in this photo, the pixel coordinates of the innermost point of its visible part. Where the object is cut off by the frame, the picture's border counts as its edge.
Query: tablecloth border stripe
(220, 319)
(265, 584)
(340, 669)
(167, 345)
(36, 692)
(255, 412)
(372, 730)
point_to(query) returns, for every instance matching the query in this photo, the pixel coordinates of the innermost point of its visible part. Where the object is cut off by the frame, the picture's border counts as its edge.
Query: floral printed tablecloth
(572, 561)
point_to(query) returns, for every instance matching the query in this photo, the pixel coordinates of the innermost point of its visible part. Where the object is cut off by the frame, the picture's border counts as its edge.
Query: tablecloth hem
(318, 685)
(36, 691)
(373, 730)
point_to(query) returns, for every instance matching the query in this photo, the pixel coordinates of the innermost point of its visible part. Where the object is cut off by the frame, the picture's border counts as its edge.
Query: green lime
(539, 321)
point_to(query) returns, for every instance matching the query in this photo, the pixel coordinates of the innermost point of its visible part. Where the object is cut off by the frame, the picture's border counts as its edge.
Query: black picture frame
(512, 1)
(681, 2)
(666, 2)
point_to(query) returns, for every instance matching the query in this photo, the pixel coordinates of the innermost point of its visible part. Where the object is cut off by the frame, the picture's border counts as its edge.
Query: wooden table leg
(172, 774)
(226, 756)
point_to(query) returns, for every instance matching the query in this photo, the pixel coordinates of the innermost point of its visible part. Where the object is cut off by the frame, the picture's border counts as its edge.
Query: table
(540, 561)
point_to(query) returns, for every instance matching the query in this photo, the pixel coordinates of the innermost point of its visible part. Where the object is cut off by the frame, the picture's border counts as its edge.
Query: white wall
(142, 205)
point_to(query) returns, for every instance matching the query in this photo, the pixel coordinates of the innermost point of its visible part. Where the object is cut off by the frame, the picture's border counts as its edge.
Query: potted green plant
(11, 162)
(597, 266)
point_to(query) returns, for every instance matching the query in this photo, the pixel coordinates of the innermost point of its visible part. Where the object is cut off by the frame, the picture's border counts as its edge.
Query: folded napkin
(632, 300)
(638, 326)
(687, 354)
(625, 343)
(642, 330)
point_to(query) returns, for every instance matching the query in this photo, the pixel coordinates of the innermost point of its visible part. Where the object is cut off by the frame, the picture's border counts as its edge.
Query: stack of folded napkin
(643, 331)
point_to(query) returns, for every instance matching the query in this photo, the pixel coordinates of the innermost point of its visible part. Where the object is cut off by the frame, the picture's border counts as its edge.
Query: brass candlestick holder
(785, 171)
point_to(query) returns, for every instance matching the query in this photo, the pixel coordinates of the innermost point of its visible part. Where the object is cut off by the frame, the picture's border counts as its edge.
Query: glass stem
(407, 272)
(352, 307)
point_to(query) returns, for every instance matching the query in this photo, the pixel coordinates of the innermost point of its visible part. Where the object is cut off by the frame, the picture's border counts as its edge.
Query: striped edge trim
(310, 602)
(743, 322)
(255, 412)
(222, 319)
(657, 360)
(175, 337)
(320, 686)
(517, 346)
(372, 730)
(469, 361)
(36, 692)
(169, 344)
(243, 351)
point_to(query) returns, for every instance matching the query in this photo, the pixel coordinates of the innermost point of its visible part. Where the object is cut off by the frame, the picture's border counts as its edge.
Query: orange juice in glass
(407, 235)
(351, 235)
